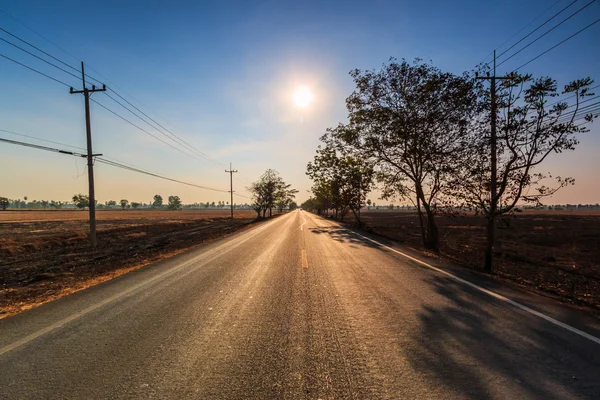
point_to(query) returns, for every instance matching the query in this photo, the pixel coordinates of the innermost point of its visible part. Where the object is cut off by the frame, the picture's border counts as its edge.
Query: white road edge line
(241, 238)
(489, 292)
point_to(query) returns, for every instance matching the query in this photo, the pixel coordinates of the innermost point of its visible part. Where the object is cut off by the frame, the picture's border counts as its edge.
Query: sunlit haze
(303, 97)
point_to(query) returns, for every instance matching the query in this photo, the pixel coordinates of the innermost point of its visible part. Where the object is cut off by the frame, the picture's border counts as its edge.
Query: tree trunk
(424, 239)
(433, 240)
(357, 216)
(491, 238)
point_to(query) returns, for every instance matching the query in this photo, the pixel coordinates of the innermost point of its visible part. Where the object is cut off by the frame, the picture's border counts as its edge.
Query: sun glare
(302, 97)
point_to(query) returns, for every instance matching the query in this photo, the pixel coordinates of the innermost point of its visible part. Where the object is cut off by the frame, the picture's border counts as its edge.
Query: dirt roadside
(42, 260)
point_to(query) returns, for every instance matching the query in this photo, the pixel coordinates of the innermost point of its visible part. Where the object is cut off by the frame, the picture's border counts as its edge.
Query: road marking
(488, 292)
(236, 241)
(304, 259)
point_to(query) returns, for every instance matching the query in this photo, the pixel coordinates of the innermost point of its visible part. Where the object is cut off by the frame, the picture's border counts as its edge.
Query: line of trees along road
(420, 134)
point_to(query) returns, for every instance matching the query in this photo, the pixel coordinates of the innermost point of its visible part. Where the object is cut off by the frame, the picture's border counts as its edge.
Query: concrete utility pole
(231, 172)
(90, 155)
(491, 228)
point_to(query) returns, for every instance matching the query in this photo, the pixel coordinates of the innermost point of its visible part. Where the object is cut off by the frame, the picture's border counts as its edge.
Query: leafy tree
(111, 203)
(135, 205)
(174, 203)
(158, 201)
(410, 119)
(44, 204)
(528, 131)
(124, 203)
(4, 202)
(270, 190)
(342, 179)
(81, 200)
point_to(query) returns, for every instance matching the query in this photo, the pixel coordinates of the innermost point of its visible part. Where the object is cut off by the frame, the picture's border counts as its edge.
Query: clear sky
(221, 75)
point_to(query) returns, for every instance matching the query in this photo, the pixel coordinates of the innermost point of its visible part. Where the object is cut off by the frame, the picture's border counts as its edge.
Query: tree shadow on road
(466, 347)
(343, 235)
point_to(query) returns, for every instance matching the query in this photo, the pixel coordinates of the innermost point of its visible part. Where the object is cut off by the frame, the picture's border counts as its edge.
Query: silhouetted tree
(410, 121)
(158, 201)
(528, 131)
(81, 200)
(174, 203)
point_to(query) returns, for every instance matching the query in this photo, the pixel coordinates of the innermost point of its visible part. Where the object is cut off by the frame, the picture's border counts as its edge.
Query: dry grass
(555, 251)
(45, 255)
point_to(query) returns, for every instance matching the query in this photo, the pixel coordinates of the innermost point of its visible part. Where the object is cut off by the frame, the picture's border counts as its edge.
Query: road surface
(298, 308)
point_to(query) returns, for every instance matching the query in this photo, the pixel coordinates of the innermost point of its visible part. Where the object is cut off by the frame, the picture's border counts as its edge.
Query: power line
(39, 58)
(38, 49)
(558, 44)
(39, 147)
(125, 107)
(129, 168)
(35, 70)
(521, 30)
(178, 140)
(545, 33)
(37, 33)
(40, 139)
(140, 128)
(108, 162)
(588, 109)
(173, 137)
(536, 29)
(571, 96)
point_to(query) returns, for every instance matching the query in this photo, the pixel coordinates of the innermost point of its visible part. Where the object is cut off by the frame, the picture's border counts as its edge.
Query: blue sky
(221, 76)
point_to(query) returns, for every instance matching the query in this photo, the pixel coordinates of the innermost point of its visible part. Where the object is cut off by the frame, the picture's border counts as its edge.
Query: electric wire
(178, 140)
(39, 147)
(140, 128)
(40, 139)
(39, 58)
(37, 33)
(38, 49)
(558, 44)
(544, 23)
(521, 30)
(141, 171)
(174, 137)
(544, 34)
(35, 70)
(108, 162)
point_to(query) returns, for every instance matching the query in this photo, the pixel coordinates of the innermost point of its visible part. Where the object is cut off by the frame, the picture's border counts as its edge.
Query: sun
(302, 97)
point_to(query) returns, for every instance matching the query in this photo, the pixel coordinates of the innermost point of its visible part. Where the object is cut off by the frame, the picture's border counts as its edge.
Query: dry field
(46, 254)
(555, 251)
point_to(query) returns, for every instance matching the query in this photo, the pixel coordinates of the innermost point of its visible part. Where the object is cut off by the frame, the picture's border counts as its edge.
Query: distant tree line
(81, 201)
(422, 135)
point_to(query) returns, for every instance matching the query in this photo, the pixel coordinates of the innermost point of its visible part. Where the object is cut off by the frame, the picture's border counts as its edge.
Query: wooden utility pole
(90, 155)
(231, 172)
(491, 228)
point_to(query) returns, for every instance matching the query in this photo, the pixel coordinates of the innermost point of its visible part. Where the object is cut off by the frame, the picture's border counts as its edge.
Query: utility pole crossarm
(231, 172)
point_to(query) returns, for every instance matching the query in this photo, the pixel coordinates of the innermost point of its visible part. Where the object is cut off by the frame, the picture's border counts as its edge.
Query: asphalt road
(297, 308)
